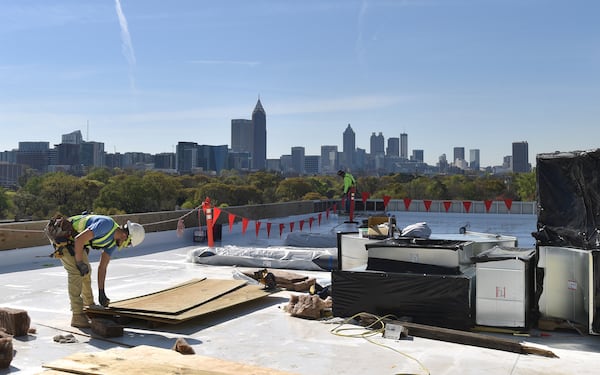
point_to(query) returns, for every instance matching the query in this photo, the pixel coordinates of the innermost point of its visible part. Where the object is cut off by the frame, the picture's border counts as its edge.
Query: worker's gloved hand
(83, 268)
(104, 301)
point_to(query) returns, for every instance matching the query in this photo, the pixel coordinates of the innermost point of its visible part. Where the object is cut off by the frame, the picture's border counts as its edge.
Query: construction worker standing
(97, 232)
(349, 186)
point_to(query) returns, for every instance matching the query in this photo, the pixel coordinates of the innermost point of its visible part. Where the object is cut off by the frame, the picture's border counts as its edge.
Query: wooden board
(148, 360)
(181, 298)
(238, 296)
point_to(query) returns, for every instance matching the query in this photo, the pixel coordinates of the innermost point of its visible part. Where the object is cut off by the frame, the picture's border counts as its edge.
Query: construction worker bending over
(349, 186)
(97, 232)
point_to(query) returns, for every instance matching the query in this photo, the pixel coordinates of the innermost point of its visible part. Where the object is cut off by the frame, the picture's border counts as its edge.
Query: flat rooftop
(259, 333)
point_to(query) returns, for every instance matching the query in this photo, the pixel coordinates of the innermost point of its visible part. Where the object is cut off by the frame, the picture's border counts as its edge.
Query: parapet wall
(28, 234)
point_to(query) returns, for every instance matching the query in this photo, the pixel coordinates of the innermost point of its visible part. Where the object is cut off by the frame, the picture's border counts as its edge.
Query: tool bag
(61, 234)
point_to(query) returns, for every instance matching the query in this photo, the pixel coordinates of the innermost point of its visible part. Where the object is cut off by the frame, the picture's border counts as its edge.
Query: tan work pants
(80, 287)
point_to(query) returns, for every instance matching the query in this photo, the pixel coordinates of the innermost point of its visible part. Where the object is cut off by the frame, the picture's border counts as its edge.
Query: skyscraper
(298, 155)
(259, 124)
(459, 154)
(393, 147)
(404, 146)
(329, 158)
(520, 157)
(242, 135)
(474, 162)
(349, 149)
(377, 144)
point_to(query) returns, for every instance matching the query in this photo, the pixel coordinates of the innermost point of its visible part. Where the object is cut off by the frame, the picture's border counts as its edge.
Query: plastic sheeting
(438, 300)
(296, 259)
(568, 189)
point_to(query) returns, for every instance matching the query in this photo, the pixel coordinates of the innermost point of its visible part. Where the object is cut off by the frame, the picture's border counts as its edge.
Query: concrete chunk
(106, 328)
(6, 349)
(15, 321)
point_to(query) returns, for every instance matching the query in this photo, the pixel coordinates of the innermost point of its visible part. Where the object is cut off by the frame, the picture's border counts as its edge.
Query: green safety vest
(79, 223)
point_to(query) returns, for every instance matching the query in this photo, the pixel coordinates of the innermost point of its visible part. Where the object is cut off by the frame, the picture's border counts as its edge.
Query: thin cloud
(126, 44)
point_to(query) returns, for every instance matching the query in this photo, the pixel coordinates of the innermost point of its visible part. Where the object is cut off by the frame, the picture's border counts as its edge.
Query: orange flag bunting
(508, 203)
(447, 205)
(365, 196)
(292, 226)
(257, 227)
(216, 213)
(268, 229)
(467, 205)
(386, 200)
(301, 225)
(310, 221)
(231, 221)
(407, 202)
(427, 204)
(488, 205)
(281, 226)
(245, 222)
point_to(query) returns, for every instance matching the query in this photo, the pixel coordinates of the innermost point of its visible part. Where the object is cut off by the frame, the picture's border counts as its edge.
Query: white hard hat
(136, 233)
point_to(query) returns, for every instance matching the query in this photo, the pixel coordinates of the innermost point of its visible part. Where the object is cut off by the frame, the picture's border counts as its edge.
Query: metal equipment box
(505, 287)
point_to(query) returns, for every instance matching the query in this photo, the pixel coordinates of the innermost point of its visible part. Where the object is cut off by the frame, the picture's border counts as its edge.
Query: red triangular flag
(386, 200)
(327, 212)
(301, 225)
(310, 221)
(407, 202)
(365, 196)
(447, 205)
(427, 204)
(320, 215)
(488, 205)
(292, 226)
(281, 226)
(257, 224)
(467, 205)
(508, 203)
(268, 229)
(245, 222)
(216, 213)
(231, 220)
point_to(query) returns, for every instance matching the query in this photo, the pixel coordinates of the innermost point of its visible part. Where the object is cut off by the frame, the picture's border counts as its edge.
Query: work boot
(80, 321)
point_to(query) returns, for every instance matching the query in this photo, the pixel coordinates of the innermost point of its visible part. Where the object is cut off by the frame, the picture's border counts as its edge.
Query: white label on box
(392, 331)
(572, 285)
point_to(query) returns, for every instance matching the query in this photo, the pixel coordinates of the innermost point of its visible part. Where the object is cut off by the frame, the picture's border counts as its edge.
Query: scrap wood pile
(183, 302)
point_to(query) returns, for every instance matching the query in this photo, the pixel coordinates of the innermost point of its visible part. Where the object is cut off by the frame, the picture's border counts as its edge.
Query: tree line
(110, 192)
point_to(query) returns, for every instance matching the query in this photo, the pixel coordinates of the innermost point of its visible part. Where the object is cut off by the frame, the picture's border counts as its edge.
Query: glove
(104, 301)
(83, 268)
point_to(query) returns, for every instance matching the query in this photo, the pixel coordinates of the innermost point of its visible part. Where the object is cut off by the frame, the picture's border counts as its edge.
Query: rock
(6, 349)
(14, 321)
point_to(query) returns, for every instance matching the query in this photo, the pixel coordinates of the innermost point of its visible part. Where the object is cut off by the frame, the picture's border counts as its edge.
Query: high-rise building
(36, 155)
(92, 154)
(474, 162)
(520, 157)
(242, 135)
(459, 154)
(74, 138)
(393, 147)
(418, 155)
(329, 159)
(259, 148)
(187, 157)
(404, 146)
(298, 159)
(349, 148)
(312, 164)
(377, 144)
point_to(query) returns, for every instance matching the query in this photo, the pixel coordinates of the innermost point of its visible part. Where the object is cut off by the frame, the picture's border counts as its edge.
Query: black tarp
(437, 300)
(568, 195)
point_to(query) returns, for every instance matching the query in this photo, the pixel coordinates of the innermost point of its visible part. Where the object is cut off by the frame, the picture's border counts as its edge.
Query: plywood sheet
(148, 360)
(181, 298)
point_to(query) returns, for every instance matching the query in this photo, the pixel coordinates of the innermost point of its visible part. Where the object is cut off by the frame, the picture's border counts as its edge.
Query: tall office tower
(259, 124)
(377, 144)
(312, 164)
(242, 138)
(520, 157)
(92, 154)
(459, 154)
(73, 138)
(34, 154)
(329, 159)
(474, 162)
(404, 146)
(298, 159)
(418, 155)
(187, 157)
(393, 147)
(349, 147)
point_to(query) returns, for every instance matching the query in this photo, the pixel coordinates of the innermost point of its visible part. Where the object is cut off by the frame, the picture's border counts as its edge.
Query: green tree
(3, 203)
(526, 186)
(292, 189)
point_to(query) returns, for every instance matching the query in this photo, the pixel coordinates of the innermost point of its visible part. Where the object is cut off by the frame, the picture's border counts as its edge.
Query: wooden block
(14, 321)
(106, 328)
(6, 349)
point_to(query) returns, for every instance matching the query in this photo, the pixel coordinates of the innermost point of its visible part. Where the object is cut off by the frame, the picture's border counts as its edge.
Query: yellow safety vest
(79, 223)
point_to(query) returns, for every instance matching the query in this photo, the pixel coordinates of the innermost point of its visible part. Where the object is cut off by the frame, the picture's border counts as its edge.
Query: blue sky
(142, 75)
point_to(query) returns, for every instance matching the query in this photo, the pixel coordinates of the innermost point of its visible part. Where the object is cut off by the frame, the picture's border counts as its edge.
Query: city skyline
(141, 77)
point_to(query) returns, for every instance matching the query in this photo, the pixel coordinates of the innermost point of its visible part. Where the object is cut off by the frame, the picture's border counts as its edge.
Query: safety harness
(61, 231)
